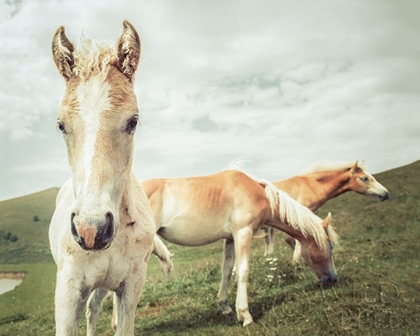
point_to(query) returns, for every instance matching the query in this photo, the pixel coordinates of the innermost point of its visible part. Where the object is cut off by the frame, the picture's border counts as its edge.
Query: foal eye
(364, 178)
(61, 127)
(131, 124)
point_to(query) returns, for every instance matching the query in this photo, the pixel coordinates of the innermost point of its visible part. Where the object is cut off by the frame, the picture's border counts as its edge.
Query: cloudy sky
(279, 84)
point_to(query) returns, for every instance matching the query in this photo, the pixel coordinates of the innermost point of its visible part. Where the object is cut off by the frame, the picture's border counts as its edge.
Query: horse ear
(355, 168)
(129, 48)
(62, 50)
(326, 221)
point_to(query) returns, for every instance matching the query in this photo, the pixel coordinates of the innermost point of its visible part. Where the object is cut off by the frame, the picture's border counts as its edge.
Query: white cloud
(280, 83)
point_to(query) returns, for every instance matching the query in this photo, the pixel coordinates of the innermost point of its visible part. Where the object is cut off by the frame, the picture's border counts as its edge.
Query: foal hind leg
(227, 267)
(243, 240)
(94, 306)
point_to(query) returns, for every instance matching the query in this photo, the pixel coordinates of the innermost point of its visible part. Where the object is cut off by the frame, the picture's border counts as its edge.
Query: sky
(279, 84)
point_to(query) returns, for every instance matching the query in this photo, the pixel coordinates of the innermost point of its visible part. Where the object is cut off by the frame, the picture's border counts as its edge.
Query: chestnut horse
(102, 231)
(230, 205)
(323, 183)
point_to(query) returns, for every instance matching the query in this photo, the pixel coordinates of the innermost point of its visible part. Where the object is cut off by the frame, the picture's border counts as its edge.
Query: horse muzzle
(383, 197)
(93, 232)
(328, 279)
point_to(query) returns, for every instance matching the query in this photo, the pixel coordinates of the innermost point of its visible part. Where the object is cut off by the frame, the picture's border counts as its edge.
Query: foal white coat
(102, 231)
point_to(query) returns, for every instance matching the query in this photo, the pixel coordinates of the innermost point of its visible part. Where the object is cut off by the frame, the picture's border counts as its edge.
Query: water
(6, 285)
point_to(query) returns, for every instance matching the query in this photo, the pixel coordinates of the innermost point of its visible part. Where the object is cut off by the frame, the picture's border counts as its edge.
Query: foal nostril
(74, 230)
(108, 231)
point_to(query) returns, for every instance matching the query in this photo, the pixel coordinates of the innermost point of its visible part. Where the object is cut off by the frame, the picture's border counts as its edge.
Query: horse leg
(269, 242)
(94, 306)
(127, 297)
(243, 240)
(290, 241)
(70, 299)
(227, 267)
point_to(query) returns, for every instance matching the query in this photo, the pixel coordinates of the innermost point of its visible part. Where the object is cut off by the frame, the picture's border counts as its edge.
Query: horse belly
(193, 235)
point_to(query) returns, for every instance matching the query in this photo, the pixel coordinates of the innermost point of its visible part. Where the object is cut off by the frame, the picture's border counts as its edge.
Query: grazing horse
(232, 206)
(102, 231)
(323, 183)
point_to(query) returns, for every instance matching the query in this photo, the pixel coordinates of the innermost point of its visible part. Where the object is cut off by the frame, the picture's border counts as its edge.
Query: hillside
(378, 263)
(17, 217)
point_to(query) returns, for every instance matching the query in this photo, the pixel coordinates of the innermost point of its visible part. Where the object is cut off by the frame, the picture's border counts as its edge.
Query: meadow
(377, 263)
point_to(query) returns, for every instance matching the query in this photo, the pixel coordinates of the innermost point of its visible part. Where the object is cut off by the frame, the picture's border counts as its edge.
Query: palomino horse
(323, 183)
(102, 231)
(232, 206)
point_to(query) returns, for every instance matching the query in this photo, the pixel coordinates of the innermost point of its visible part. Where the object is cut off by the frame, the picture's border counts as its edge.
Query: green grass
(378, 264)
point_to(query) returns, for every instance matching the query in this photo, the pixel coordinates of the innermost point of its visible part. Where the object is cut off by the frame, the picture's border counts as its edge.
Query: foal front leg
(227, 267)
(94, 306)
(70, 299)
(127, 297)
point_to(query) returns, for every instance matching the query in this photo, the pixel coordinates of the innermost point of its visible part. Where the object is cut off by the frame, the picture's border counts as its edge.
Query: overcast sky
(280, 84)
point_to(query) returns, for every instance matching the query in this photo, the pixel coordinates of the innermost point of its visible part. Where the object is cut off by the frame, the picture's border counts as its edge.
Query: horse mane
(93, 57)
(296, 215)
(299, 216)
(331, 166)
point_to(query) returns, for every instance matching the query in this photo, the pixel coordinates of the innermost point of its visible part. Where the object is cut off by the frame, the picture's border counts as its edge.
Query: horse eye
(131, 125)
(364, 178)
(61, 127)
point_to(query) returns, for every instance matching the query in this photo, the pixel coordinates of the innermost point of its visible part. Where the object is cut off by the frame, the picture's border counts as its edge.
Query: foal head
(98, 118)
(365, 184)
(320, 256)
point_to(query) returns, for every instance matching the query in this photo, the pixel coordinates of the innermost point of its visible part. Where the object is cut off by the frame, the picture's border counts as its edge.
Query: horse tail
(165, 257)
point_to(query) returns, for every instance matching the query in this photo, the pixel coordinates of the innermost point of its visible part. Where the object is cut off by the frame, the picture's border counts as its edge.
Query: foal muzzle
(93, 232)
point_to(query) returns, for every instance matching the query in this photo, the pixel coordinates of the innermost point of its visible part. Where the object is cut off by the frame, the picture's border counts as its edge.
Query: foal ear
(62, 50)
(129, 48)
(326, 221)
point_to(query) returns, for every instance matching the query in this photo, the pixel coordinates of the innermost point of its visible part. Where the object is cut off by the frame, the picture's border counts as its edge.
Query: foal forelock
(93, 58)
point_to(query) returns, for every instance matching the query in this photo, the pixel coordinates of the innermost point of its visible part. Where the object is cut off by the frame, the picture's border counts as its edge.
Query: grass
(377, 294)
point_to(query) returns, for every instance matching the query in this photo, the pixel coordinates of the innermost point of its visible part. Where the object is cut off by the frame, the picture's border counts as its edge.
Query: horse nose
(92, 234)
(328, 279)
(384, 197)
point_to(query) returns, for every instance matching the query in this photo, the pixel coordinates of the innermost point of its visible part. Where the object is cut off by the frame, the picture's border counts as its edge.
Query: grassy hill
(17, 217)
(378, 263)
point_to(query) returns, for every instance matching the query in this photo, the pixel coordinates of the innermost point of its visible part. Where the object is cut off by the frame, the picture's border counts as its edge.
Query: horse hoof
(226, 310)
(248, 322)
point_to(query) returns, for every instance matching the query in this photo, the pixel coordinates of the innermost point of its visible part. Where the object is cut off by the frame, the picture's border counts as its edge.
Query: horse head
(365, 184)
(98, 119)
(320, 258)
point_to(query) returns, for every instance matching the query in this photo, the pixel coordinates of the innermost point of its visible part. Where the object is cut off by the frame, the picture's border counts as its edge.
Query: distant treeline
(8, 237)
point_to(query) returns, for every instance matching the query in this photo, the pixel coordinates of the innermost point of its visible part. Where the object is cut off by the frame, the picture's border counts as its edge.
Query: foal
(101, 234)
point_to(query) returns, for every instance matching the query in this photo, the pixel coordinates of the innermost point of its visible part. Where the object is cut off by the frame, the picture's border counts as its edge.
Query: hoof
(246, 317)
(248, 322)
(225, 308)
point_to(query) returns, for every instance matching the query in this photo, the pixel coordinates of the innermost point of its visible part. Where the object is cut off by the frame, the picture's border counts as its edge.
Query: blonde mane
(296, 215)
(299, 217)
(93, 58)
(331, 166)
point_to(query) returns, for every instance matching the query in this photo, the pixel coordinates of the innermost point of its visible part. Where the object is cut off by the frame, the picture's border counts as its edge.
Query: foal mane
(93, 58)
(331, 166)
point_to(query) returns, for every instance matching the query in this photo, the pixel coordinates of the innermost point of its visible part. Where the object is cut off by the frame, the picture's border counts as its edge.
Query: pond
(9, 281)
